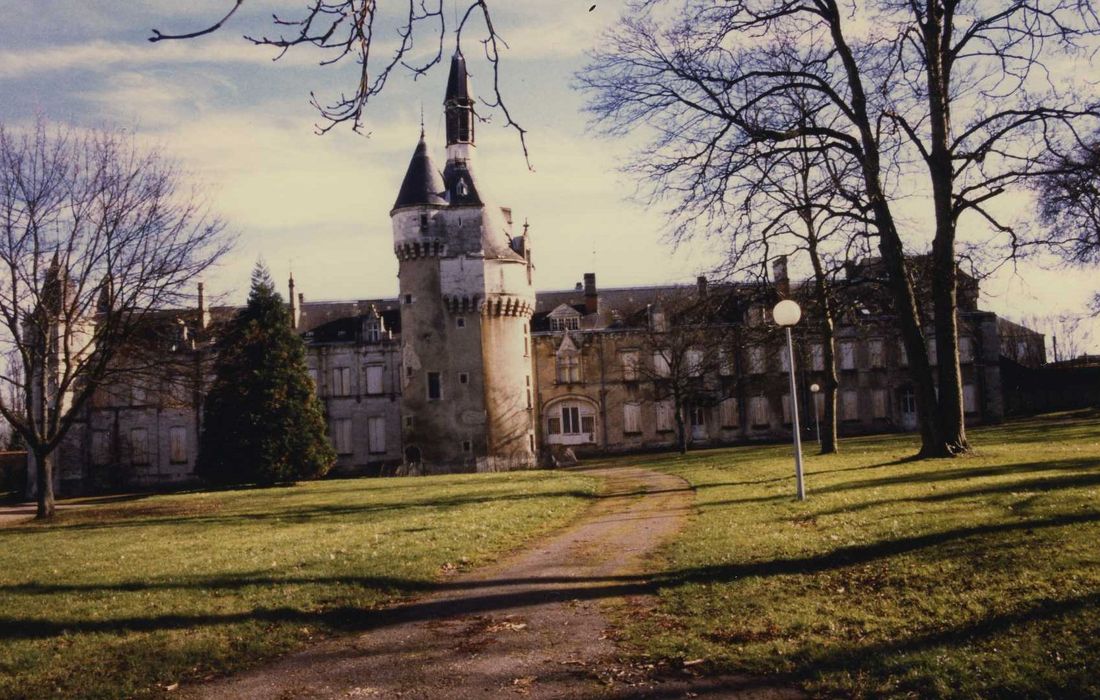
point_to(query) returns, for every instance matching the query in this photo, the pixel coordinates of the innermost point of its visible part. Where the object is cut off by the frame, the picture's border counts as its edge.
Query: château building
(469, 368)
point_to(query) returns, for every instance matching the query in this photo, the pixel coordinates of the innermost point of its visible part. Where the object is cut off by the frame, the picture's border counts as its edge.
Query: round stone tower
(466, 302)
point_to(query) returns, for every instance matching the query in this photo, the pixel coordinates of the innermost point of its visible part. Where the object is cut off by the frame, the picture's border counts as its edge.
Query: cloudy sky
(243, 127)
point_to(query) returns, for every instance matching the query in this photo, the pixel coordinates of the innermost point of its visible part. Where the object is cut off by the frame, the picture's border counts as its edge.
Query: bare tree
(95, 234)
(770, 206)
(892, 81)
(360, 31)
(1069, 204)
(684, 350)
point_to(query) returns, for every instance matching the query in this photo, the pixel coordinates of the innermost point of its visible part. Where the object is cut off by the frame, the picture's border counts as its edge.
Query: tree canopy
(262, 422)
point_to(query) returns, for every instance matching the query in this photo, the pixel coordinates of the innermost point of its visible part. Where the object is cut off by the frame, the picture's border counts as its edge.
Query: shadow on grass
(886, 653)
(1041, 484)
(87, 519)
(472, 596)
(935, 476)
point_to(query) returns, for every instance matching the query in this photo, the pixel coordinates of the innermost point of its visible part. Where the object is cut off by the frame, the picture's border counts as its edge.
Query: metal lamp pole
(787, 313)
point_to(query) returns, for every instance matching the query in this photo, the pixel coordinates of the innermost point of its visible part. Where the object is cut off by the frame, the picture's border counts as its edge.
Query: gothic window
(849, 405)
(970, 398)
(660, 364)
(874, 353)
(374, 379)
(177, 444)
(376, 434)
(632, 418)
(786, 401)
(903, 354)
(908, 402)
(758, 412)
(139, 446)
(756, 360)
(727, 413)
(629, 361)
(784, 359)
(847, 354)
(569, 370)
(693, 361)
(341, 381)
(878, 403)
(698, 416)
(664, 416)
(341, 435)
(101, 447)
(435, 386)
(966, 349)
(725, 363)
(817, 357)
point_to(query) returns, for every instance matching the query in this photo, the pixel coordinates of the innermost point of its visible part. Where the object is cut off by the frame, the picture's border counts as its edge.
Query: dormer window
(462, 189)
(424, 221)
(564, 318)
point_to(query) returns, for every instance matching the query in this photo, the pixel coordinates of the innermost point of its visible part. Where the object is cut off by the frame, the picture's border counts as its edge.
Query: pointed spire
(422, 184)
(458, 103)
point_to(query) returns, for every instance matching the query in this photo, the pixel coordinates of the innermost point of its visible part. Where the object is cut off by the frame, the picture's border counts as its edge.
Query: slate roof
(422, 184)
(458, 81)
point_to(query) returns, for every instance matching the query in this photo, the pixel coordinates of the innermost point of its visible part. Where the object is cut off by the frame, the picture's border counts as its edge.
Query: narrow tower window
(435, 386)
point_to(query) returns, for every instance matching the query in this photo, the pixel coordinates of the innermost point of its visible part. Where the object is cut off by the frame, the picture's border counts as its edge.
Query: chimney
(204, 313)
(701, 284)
(779, 275)
(591, 297)
(294, 308)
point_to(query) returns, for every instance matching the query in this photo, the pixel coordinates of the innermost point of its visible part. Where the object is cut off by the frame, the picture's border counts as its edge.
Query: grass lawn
(121, 599)
(973, 577)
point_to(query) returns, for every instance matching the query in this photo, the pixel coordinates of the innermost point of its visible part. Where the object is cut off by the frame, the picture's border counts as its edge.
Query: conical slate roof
(423, 183)
(458, 82)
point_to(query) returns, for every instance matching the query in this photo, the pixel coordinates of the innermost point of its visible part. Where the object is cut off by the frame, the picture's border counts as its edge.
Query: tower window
(463, 378)
(409, 422)
(460, 322)
(424, 221)
(435, 386)
(408, 298)
(467, 446)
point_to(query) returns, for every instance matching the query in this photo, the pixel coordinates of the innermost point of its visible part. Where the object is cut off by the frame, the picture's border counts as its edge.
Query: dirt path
(529, 626)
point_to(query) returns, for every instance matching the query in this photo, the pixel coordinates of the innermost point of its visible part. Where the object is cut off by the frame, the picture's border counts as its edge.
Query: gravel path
(529, 626)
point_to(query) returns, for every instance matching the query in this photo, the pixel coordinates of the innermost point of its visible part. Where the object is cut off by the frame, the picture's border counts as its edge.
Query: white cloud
(110, 55)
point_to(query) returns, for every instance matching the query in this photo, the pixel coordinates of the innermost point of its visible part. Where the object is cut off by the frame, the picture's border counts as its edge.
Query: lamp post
(787, 313)
(814, 388)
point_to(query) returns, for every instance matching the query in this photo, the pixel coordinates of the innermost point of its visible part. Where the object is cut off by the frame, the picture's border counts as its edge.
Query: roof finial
(421, 119)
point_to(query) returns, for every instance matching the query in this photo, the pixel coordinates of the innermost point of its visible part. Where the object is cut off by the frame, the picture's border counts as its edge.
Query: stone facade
(468, 369)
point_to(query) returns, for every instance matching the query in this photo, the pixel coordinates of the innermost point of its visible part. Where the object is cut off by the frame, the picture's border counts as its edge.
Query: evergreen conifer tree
(263, 422)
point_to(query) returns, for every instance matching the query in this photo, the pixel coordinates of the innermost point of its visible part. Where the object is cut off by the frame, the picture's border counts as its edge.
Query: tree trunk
(681, 433)
(43, 464)
(944, 274)
(824, 302)
(893, 253)
(829, 441)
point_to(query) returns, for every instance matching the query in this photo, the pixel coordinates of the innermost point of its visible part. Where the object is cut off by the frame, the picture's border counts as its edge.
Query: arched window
(570, 421)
